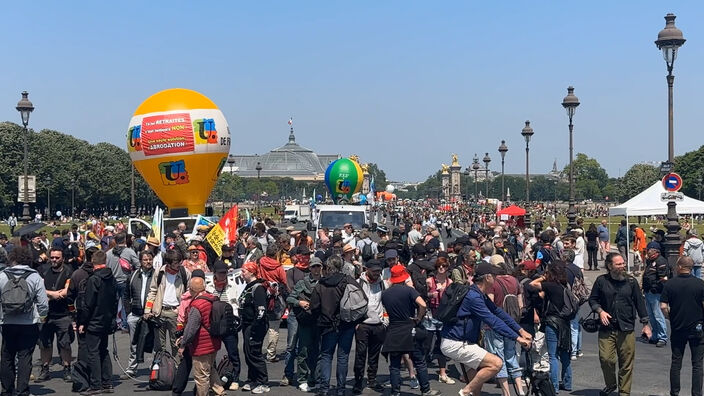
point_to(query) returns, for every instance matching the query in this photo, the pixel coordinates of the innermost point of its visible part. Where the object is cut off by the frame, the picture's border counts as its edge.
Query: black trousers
(98, 360)
(253, 341)
(591, 258)
(369, 339)
(678, 343)
(182, 373)
(233, 353)
(18, 342)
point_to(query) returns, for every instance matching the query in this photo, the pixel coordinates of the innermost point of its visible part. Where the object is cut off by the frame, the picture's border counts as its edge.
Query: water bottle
(699, 327)
(155, 372)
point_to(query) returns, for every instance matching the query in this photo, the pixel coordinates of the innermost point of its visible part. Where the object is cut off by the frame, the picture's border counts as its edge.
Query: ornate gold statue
(445, 169)
(365, 168)
(355, 158)
(455, 162)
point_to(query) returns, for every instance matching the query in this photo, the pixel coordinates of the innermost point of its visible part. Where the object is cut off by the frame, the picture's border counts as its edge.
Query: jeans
(18, 342)
(623, 251)
(504, 348)
(98, 360)
(369, 339)
(697, 272)
(418, 362)
(307, 358)
(122, 298)
(291, 344)
(132, 363)
(342, 340)
(558, 355)
(576, 332)
(657, 318)
(231, 340)
(678, 344)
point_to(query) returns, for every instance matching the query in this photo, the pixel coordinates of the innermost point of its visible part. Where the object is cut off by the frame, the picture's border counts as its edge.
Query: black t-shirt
(554, 294)
(399, 301)
(56, 281)
(685, 294)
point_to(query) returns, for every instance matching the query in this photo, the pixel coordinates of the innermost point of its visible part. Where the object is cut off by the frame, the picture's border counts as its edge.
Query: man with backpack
(405, 309)
(655, 274)
(22, 291)
(96, 320)
(197, 337)
(547, 253)
(122, 260)
(326, 305)
(367, 249)
(508, 296)
(694, 248)
(59, 323)
(462, 310)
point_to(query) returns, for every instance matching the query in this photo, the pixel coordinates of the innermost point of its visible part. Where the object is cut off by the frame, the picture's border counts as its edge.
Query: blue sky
(402, 84)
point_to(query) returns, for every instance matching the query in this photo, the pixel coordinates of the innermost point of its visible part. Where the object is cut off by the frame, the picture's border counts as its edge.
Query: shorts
(62, 327)
(471, 355)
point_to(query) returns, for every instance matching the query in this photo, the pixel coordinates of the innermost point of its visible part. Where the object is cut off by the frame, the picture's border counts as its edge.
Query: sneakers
(446, 379)
(108, 388)
(234, 386)
(661, 344)
(91, 392)
(260, 389)
(580, 353)
(127, 375)
(284, 381)
(67, 374)
(247, 387)
(414, 383)
(43, 374)
(374, 385)
(573, 357)
(432, 392)
(357, 388)
(304, 387)
(607, 391)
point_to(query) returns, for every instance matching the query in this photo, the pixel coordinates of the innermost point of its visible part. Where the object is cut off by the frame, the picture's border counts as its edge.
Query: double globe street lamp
(486, 160)
(25, 107)
(570, 103)
(502, 150)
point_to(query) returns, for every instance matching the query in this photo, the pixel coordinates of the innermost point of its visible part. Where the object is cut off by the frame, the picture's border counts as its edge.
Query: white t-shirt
(170, 296)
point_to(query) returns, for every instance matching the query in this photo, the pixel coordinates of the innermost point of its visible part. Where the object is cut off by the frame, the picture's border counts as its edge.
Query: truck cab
(335, 216)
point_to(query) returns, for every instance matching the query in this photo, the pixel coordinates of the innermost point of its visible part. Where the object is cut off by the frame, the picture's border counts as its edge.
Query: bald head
(684, 265)
(196, 285)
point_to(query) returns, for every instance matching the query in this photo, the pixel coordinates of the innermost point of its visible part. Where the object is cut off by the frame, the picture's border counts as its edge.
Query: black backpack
(570, 305)
(15, 297)
(222, 317)
(79, 377)
(450, 303)
(163, 371)
(225, 371)
(367, 252)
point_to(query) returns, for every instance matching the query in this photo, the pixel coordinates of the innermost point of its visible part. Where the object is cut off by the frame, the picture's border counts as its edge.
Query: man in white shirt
(414, 236)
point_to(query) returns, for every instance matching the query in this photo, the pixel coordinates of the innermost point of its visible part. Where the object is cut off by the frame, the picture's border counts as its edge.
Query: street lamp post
(670, 39)
(502, 150)
(466, 188)
(25, 107)
(48, 198)
(259, 170)
(527, 133)
(570, 103)
(486, 160)
(133, 206)
(231, 162)
(475, 166)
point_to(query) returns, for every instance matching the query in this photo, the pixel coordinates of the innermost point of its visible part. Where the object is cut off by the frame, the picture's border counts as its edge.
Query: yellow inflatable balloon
(178, 140)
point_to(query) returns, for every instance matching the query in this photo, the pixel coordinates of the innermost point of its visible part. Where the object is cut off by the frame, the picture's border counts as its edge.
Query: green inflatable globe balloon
(343, 178)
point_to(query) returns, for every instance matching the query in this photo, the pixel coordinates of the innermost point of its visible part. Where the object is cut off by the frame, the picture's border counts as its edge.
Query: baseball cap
(390, 253)
(653, 245)
(484, 268)
(219, 266)
(374, 264)
(315, 261)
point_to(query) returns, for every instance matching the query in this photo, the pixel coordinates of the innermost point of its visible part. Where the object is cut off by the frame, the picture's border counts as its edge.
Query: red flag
(229, 224)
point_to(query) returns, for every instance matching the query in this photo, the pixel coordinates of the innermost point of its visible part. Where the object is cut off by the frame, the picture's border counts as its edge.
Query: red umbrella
(512, 210)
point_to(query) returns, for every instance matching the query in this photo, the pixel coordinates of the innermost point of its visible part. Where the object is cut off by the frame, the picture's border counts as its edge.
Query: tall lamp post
(259, 170)
(502, 150)
(486, 160)
(670, 39)
(48, 198)
(133, 206)
(25, 107)
(466, 188)
(570, 103)
(475, 166)
(231, 162)
(527, 133)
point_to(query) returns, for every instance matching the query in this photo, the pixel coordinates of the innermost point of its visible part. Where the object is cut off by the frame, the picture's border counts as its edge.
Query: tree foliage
(590, 178)
(691, 167)
(636, 179)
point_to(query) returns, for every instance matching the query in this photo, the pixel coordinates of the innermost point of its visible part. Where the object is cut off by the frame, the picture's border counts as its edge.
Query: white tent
(648, 203)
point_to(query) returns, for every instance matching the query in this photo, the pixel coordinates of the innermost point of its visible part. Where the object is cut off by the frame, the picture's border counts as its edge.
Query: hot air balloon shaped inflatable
(178, 140)
(343, 178)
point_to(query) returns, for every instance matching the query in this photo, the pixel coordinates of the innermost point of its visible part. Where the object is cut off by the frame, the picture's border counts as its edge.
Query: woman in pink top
(437, 284)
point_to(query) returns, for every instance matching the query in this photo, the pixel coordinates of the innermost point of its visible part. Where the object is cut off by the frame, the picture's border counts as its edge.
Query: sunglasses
(443, 266)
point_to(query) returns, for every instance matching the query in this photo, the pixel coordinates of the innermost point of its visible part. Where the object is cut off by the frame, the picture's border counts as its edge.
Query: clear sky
(400, 83)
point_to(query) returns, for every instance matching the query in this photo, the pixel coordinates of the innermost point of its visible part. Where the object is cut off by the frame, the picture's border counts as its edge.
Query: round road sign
(672, 182)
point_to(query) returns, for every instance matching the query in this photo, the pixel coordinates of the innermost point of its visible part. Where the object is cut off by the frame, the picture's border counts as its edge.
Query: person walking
(604, 239)
(96, 320)
(137, 292)
(623, 235)
(616, 297)
(252, 308)
(122, 260)
(592, 247)
(271, 270)
(20, 322)
(654, 278)
(682, 300)
(437, 285)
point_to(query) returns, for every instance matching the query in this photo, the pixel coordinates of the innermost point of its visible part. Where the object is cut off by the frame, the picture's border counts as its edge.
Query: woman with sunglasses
(437, 284)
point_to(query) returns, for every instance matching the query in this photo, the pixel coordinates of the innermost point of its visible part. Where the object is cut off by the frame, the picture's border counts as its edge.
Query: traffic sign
(672, 182)
(672, 196)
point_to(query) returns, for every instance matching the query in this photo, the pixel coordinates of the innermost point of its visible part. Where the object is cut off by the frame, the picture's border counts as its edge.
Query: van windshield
(336, 219)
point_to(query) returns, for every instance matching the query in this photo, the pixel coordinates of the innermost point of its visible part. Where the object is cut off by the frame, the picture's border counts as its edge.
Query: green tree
(635, 180)
(590, 178)
(691, 167)
(378, 175)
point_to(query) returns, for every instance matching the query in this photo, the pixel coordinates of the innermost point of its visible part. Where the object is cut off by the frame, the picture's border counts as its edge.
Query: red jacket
(204, 343)
(270, 269)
